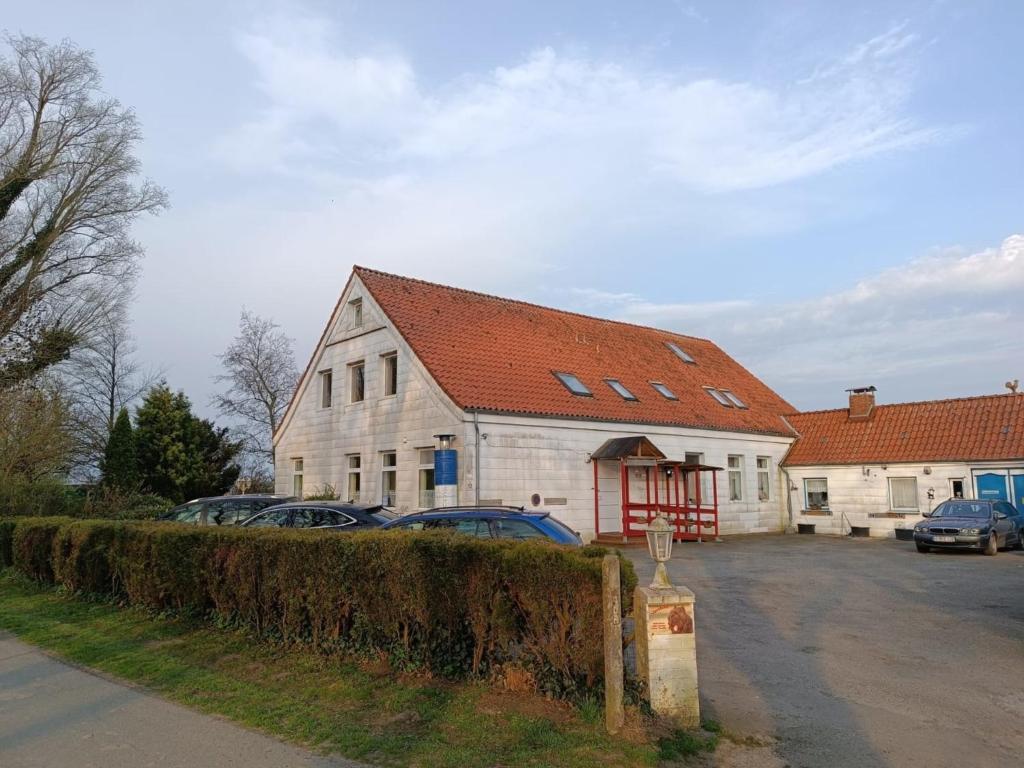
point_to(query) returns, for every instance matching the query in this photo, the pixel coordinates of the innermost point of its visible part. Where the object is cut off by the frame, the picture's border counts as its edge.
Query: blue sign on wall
(446, 467)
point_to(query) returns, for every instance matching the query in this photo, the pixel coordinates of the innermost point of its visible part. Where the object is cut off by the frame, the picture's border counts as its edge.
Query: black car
(326, 515)
(223, 510)
(987, 526)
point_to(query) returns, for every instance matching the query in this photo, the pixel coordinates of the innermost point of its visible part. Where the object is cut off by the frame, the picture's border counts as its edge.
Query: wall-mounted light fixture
(445, 441)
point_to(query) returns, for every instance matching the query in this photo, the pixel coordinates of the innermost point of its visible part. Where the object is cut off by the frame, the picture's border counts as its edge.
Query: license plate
(944, 539)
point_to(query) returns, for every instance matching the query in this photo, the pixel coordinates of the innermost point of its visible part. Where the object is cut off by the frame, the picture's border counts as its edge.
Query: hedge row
(454, 604)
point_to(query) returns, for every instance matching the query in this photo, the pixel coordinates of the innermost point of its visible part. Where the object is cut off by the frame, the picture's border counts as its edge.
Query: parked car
(491, 523)
(223, 510)
(326, 515)
(987, 526)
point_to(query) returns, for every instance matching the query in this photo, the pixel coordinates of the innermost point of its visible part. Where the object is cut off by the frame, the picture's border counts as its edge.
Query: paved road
(859, 653)
(53, 715)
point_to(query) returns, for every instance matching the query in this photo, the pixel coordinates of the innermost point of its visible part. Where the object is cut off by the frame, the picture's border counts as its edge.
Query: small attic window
(663, 390)
(734, 399)
(680, 352)
(620, 388)
(573, 384)
(719, 396)
(355, 308)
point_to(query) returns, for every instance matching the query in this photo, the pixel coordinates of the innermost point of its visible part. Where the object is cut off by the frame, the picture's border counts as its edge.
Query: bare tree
(102, 377)
(260, 374)
(33, 432)
(68, 195)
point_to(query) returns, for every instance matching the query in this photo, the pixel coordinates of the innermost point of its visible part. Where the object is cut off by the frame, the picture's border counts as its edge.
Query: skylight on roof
(620, 388)
(663, 390)
(679, 352)
(573, 384)
(719, 396)
(734, 399)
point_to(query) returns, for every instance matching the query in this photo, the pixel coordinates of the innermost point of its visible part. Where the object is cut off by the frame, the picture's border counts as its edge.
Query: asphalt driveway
(858, 652)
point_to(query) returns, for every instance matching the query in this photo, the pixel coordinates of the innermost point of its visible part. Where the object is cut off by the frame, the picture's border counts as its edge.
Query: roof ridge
(358, 269)
(915, 402)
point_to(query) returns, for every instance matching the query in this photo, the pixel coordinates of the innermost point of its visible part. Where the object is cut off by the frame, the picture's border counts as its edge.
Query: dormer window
(680, 352)
(573, 384)
(733, 399)
(620, 389)
(355, 309)
(720, 397)
(664, 391)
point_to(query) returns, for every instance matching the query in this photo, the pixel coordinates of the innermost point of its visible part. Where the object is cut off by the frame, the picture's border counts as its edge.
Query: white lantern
(659, 544)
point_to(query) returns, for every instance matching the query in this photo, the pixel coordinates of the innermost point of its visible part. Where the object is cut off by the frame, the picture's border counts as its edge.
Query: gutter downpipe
(789, 497)
(476, 458)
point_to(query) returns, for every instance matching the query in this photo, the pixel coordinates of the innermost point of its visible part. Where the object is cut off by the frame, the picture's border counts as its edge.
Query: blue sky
(831, 191)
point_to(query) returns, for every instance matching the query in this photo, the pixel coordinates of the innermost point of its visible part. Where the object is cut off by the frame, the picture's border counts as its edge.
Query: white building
(528, 395)
(878, 467)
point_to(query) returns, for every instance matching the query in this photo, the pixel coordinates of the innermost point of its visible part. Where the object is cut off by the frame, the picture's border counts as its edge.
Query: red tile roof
(987, 428)
(499, 355)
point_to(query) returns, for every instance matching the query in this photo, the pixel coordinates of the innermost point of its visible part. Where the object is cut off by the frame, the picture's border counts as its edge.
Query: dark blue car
(512, 523)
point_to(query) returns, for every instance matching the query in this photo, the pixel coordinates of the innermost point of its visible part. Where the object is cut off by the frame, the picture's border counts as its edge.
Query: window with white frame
(355, 477)
(903, 494)
(707, 491)
(355, 308)
(297, 478)
(764, 478)
(426, 477)
(816, 493)
(389, 479)
(389, 371)
(357, 382)
(326, 388)
(735, 478)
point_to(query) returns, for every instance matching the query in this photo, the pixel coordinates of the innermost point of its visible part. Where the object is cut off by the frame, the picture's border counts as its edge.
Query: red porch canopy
(673, 488)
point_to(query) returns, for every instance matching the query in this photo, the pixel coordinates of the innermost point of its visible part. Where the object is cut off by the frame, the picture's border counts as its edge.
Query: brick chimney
(862, 403)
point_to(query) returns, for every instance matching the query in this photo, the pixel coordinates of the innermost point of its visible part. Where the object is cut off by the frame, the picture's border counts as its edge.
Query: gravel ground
(821, 651)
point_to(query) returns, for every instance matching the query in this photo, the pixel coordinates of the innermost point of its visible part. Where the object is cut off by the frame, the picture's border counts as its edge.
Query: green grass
(328, 704)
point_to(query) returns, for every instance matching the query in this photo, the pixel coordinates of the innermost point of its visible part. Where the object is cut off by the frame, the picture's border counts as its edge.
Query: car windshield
(962, 509)
(384, 516)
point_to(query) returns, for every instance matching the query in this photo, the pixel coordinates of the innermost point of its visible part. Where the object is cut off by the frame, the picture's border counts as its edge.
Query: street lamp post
(659, 545)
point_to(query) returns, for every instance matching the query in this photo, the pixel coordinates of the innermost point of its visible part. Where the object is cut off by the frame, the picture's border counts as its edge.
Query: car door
(1005, 522)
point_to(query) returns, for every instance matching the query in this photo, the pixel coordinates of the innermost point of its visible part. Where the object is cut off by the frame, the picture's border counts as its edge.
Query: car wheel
(1019, 544)
(923, 549)
(993, 544)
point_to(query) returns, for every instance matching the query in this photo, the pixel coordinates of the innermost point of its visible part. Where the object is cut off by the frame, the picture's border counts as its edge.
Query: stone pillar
(666, 651)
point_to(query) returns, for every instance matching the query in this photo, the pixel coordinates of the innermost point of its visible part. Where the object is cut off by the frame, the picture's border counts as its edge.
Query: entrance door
(1018, 492)
(991, 486)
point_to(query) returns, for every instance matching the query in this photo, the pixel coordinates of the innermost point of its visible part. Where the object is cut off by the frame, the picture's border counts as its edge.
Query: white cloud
(946, 322)
(708, 135)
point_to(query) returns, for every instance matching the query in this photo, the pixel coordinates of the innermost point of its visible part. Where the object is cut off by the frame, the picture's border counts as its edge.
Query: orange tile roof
(986, 428)
(499, 355)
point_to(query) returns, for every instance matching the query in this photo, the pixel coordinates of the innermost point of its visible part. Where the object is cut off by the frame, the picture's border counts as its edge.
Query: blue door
(992, 486)
(1018, 493)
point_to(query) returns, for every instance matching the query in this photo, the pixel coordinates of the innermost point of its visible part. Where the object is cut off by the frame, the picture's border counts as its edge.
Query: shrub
(43, 496)
(451, 604)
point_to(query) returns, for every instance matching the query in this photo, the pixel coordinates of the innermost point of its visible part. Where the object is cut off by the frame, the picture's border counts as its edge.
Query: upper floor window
(664, 391)
(357, 382)
(326, 388)
(573, 384)
(680, 352)
(389, 365)
(620, 389)
(355, 308)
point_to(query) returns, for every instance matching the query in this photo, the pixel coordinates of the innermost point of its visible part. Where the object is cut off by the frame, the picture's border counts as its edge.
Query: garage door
(991, 486)
(1018, 490)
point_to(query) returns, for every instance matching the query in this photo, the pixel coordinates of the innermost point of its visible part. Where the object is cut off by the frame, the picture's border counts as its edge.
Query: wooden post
(614, 716)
